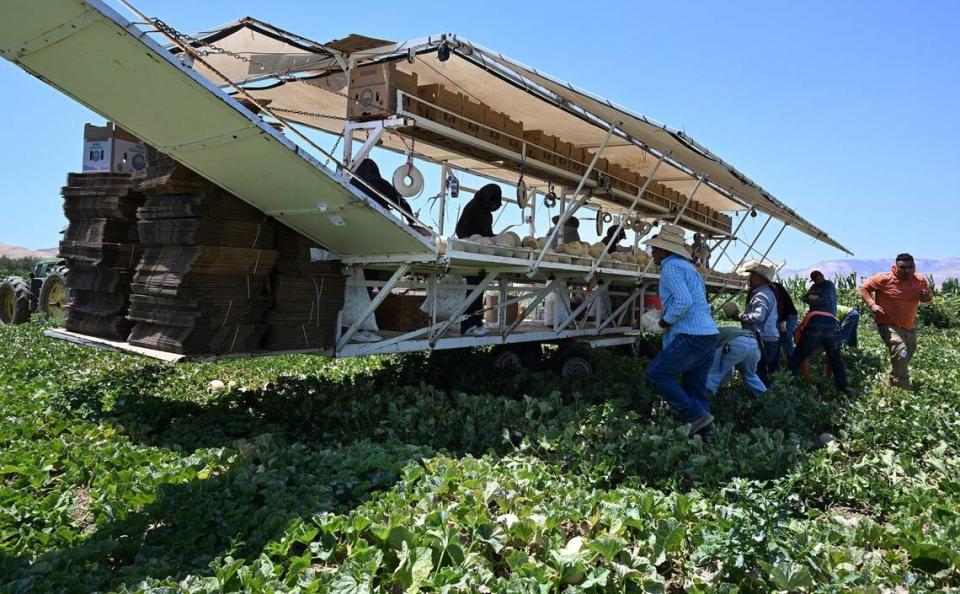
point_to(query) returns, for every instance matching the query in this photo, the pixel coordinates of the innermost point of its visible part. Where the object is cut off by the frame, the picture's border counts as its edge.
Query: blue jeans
(848, 329)
(786, 337)
(744, 354)
(687, 356)
(769, 360)
(821, 333)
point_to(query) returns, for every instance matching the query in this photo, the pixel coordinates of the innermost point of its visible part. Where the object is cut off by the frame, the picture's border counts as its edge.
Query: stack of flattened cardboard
(102, 249)
(208, 256)
(307, 297)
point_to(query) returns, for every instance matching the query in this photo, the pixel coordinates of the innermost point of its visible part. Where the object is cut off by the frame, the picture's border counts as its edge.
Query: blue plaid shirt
(684, 299)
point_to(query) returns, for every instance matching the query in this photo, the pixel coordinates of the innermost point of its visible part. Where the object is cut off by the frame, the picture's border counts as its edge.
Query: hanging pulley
(522, 198)
(550, 199)
(602, 218)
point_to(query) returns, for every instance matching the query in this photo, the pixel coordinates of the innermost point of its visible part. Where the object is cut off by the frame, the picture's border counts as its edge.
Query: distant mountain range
(13, 251)
(941, 270)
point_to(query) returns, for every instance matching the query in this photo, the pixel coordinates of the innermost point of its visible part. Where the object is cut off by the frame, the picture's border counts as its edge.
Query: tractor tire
(573, 360)
(14, 301)
(54, 295)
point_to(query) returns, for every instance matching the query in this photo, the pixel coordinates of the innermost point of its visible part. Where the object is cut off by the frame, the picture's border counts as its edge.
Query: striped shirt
(684, 299)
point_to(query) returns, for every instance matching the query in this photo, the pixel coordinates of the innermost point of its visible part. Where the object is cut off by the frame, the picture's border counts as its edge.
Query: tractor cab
(40, 272)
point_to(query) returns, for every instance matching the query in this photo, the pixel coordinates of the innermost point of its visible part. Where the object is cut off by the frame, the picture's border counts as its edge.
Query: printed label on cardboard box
(97, 155)
(128, 156)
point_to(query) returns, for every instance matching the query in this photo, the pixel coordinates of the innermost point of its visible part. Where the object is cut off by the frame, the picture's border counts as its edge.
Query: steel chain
(312, 114)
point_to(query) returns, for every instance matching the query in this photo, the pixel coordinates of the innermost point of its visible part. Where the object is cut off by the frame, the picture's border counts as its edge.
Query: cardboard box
(452, 104)
(540, 146)
(401, 312)
(726, 223)
(563, 154)
(111, 149)
(513, 135)
(621, 177)
(657, 193)
(491, 314)
(473, 116)
(493, 124)
(579, 159)
(372, 89)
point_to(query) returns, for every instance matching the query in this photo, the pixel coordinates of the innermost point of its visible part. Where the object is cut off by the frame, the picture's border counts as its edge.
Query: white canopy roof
(299, 75)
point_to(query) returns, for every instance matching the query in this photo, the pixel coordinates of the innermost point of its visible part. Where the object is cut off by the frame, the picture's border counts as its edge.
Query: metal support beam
(533, 305)
(746, 253)
(471, 297)
(372, 307)
(566, 214)
(617, 313)
(688, 200)
(623, 218)
(594, 295)
(772, 243)
(366, 147)
(729, 240)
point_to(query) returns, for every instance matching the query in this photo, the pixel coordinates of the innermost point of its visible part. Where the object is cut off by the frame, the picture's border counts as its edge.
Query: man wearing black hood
(620, 237)
(477, 215)
(477, 219)
(370, 173)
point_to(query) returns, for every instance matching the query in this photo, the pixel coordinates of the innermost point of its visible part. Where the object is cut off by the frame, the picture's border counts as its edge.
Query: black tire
(54, 294)
(510, 358)
(573, 360)
(14, 301)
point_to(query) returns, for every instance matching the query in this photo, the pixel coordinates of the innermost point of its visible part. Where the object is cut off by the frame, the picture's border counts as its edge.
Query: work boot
(702, 425)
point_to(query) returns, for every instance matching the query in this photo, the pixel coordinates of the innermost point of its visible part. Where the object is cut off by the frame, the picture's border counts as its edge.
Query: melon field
(429, 474)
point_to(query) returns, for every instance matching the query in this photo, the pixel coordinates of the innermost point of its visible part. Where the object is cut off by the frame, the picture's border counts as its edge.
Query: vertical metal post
(444, 173)
(347, 143)
(502, 311)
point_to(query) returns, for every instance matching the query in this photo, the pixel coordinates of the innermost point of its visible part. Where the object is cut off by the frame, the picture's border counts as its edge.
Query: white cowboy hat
(670, 239)
(760, 268)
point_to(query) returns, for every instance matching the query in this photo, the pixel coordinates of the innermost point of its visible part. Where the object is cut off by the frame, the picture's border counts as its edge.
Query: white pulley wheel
(522, 194)
(411, 188)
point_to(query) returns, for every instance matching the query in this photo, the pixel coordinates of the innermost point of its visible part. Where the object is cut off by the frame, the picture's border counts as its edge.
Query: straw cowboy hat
(760, 268)
(670, 239)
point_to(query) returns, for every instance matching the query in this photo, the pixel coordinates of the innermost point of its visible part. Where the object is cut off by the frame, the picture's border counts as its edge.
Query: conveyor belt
(94, 55)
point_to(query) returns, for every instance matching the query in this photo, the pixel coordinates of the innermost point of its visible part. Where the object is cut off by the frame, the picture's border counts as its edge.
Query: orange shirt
(899, 299)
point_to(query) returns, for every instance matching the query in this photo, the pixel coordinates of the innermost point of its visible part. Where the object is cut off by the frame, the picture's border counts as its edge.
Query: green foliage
(427, 474)
(16, 266)
(942, 312)
(951, 286)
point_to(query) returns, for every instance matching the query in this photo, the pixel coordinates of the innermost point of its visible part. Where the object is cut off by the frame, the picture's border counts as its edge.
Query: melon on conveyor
(485, 246)
(508, 239)
(529, 242)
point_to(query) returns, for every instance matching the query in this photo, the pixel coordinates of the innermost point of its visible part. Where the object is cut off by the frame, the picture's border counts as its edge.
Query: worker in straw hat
(690, 334)
(761, 316)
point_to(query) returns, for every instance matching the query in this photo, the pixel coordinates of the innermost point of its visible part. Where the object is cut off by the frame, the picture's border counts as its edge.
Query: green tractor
(45, 291)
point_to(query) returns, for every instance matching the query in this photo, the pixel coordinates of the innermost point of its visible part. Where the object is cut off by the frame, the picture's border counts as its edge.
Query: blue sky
(846, 111)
